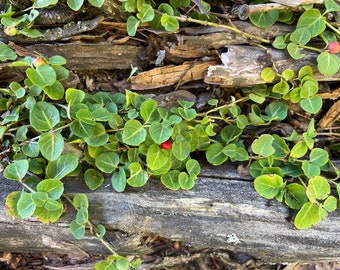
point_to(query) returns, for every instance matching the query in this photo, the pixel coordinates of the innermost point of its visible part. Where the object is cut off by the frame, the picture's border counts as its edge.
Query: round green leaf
(51, 145)
(263, 145)
(295, 195)
(330, 204)
(312, 104)
(280, 146)
(312, 20)
(54, 188)
(309, 88)
(279, 43)
(134, 133)
(78, 230)
(118, 180)
(44, 116)
(264, 19)
(310, 169)
(96, 3)
(82, 215)
(307, 216)
(277, 110)
(268, 185)
(75, 4)
(54, 91)
(181, 147)
(16, 170)
(230, 133)
(185, 181)
(93, 179)
(138, 177)
(193, 167)
(170, 180)
(26, 205)
(294, 51)
(11, 203)
(53, 205)
(62, 166)
(299, 150)
(6, 53)
(148, 110)
(301, 36)
(132, 24)
(318, 156)
(268, 74)
(42, 76)
(30, 149)
(159, 132)
(215, 154)
(169, 23)
(82, 129)
(80, 200)
(107, 162)
(74, 96)
(328, 64)
(318, 188)
(156, 157)
(99, 136)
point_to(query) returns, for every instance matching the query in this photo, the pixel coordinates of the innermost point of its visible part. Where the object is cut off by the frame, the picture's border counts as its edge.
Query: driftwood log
(222, 212)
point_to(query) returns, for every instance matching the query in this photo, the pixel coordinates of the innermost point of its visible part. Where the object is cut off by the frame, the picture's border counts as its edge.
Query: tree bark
(222, 211)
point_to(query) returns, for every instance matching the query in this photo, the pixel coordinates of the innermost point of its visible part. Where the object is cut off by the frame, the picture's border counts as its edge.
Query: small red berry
(166, 145)
(334, 47)
(38, 61)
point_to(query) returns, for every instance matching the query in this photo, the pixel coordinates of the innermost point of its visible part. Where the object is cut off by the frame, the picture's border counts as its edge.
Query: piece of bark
(242, 66)
(170, 75)
(220, 212)
(331, 116)
(87, 56)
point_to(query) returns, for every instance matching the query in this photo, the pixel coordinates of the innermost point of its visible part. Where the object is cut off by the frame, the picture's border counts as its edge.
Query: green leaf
(328, 64)
(93, 179)
(295, 195)
(82, 215)
(138, 177)
(181, 147)
(193, 167)
(277, 110)
(107, 162)
(312, 104)
(313, 21)
(99, 136)
(156, 157)
(132, 24)
(101, 229)
(51, 145)
(39, 198)
(16, 170)
(318, 188)
(169, 23)
(160, 132)
(263, 145)
(264, 19)
(305, 71)
(215, 154)
(294, 51)
(74, 96)
(146, 14)
(309, 88)
(318, 156)
(148, 109)
(166, 8)
(44, 116)
(279, 43)
(310, 169)
(185, 181)
(42, 76)
(96, 3)
(75, 4)
(6, 53)
(54, 188)
(80, 200)
(134, 133)
(330, 204)
(268, 185)
(30, 149)
(78, 230)
(331, 5)
(280, 146)
(44, 3)
(118, 180)
(299, 150)
(170, 180)
(288, 74)
(54, 91)
(82, 129)
(307, 216)
(187, 113)
(62, 166)
(26, 205)
(52, 205)
(301, 36)
(11, 203)
(268, 74)
(230, 133)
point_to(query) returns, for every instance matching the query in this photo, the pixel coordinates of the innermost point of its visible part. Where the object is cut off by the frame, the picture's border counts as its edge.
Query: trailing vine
(48, 133)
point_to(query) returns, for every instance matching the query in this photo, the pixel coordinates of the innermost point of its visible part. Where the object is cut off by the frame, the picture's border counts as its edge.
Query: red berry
(166, 145)
(334, 47)
(38, 61)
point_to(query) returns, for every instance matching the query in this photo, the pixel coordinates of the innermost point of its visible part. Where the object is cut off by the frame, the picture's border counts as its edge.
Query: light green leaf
(51, 145)
(318, 188)
(80, 200)
(26, 205)
(78, 230)
(138, 177)
(62, 166)
(156, 157)
(328, 64)
(54, 188)
(42, 76)
(268, 185)
(307, 216)
(44, 116)
(93, 179)
(107, 162)
(263, 145)
(312, 104)
(312, 20)
(16, 170)
(134, 133)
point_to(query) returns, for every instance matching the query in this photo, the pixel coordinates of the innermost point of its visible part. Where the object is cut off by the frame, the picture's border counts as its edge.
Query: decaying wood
(223, 211)
(170, 75)
(242, 66)
(331, 116)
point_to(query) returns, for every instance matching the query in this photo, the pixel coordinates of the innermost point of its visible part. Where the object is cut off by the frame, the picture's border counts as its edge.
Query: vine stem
(93, 229)
(231, 28)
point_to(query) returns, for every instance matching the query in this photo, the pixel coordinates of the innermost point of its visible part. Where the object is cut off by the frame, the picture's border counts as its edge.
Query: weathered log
(242, 66)
(223, 211)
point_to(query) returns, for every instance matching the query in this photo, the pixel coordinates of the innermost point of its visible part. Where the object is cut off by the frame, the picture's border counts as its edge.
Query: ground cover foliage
(49, 132)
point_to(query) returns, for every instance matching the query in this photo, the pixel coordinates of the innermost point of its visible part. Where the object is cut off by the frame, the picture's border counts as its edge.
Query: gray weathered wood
(222, 211)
